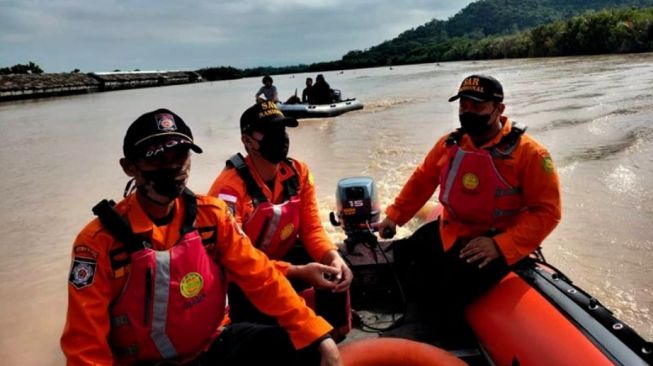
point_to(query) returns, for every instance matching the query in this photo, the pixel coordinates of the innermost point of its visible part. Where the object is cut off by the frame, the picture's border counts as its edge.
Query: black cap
(481, 88)
(263, 116)
(155, 132)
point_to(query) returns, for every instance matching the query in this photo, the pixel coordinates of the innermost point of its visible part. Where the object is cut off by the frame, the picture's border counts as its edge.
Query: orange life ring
(395, 352)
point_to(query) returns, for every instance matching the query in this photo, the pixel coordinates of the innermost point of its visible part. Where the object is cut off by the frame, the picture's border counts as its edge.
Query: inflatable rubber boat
(534, 316)
(302, 110)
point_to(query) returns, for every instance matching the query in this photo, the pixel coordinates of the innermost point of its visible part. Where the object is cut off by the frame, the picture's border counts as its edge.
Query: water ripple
(383, 104)
(603, 152)
(565, 123)
(561, 123)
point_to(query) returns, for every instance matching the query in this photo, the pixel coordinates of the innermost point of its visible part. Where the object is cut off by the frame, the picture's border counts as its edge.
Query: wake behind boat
(534, 316)
(305, 110)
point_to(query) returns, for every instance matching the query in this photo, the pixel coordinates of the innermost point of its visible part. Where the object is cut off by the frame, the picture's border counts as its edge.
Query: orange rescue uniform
(230, 187)
(530, 168)
(85, 337)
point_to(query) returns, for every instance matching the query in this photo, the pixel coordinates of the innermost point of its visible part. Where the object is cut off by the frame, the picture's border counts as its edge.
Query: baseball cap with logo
(263, 116)
(481, 88)
(155, 132)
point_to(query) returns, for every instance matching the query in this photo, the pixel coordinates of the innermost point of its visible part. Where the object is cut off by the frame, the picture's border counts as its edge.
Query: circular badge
(82, 273)
(547, 165)
(191, 284)
(167, 123)
(287, 231)
(470, 181)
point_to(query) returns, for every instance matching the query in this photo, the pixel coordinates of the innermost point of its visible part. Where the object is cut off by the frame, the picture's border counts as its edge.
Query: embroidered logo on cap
(471, 84)
(165, 122)
(269, 109)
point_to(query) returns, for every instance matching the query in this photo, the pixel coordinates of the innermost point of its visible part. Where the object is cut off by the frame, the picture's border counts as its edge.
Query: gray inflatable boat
(302, 110)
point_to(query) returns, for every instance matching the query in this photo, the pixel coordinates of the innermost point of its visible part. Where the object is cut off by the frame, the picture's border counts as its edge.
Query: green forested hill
(491, 17)
(478, 20)
(488, 29)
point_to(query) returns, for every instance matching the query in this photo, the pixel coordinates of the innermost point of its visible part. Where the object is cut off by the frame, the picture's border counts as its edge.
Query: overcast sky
(103, 35)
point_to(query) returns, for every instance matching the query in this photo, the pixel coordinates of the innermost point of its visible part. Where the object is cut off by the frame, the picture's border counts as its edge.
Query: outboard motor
(336, 95)
(357, 207)
(375, 281)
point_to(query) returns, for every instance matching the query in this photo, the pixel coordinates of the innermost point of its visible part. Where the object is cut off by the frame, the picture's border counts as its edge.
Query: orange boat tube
(395, 352)
(517, 325)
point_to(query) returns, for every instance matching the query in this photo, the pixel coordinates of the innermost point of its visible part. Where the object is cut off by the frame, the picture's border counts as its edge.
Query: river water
(60, 156)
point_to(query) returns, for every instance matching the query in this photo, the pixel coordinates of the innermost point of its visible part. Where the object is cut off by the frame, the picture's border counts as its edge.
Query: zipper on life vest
(148, 296)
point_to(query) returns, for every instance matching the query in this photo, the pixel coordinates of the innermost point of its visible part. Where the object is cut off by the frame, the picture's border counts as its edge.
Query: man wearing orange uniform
(273, 198)
(499, 191)
(148, 276)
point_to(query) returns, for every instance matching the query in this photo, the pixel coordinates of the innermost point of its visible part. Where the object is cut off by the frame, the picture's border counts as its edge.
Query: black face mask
(274, 145)
(163, 182)
(475, 124)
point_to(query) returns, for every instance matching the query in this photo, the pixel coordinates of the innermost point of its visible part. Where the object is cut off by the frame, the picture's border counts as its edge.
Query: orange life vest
(174, 300)
(273, 228)
(471, 188)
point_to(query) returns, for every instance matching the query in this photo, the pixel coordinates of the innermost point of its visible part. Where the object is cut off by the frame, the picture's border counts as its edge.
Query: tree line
(624, 30)
(29, 68)
(596, 32)
(485, 29)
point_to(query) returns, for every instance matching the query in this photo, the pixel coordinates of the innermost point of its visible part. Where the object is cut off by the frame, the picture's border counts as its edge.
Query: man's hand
(387, 228)
(343, 280)
(481, 249)
(330, 353)
(315, 274)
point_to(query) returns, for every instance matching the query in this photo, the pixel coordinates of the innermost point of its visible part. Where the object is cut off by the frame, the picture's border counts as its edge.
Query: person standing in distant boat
(268, 90)
(308, 90)
(501, 198)
(321, 91)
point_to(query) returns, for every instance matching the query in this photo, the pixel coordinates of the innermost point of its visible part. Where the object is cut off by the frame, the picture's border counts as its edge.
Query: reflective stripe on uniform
(159, 318)
(453, 172)
(272, 227)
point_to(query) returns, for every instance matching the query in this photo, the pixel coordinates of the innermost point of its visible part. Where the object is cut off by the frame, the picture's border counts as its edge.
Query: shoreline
(35, 86)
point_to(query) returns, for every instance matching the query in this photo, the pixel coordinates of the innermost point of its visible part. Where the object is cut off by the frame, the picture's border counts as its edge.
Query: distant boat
(304, 110)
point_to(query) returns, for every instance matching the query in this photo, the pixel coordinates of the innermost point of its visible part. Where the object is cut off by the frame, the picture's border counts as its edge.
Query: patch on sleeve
(547, 165)
(311, 181)
(230, 200)
(82, 272)
(82, 251)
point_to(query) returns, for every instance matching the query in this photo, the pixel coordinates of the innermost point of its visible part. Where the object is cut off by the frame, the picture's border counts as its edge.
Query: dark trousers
(441, 281)
(256, 344)
(331, 306)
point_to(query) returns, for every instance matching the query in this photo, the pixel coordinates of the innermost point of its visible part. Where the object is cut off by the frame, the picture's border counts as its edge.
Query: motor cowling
(357, 205)
(336, 95)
